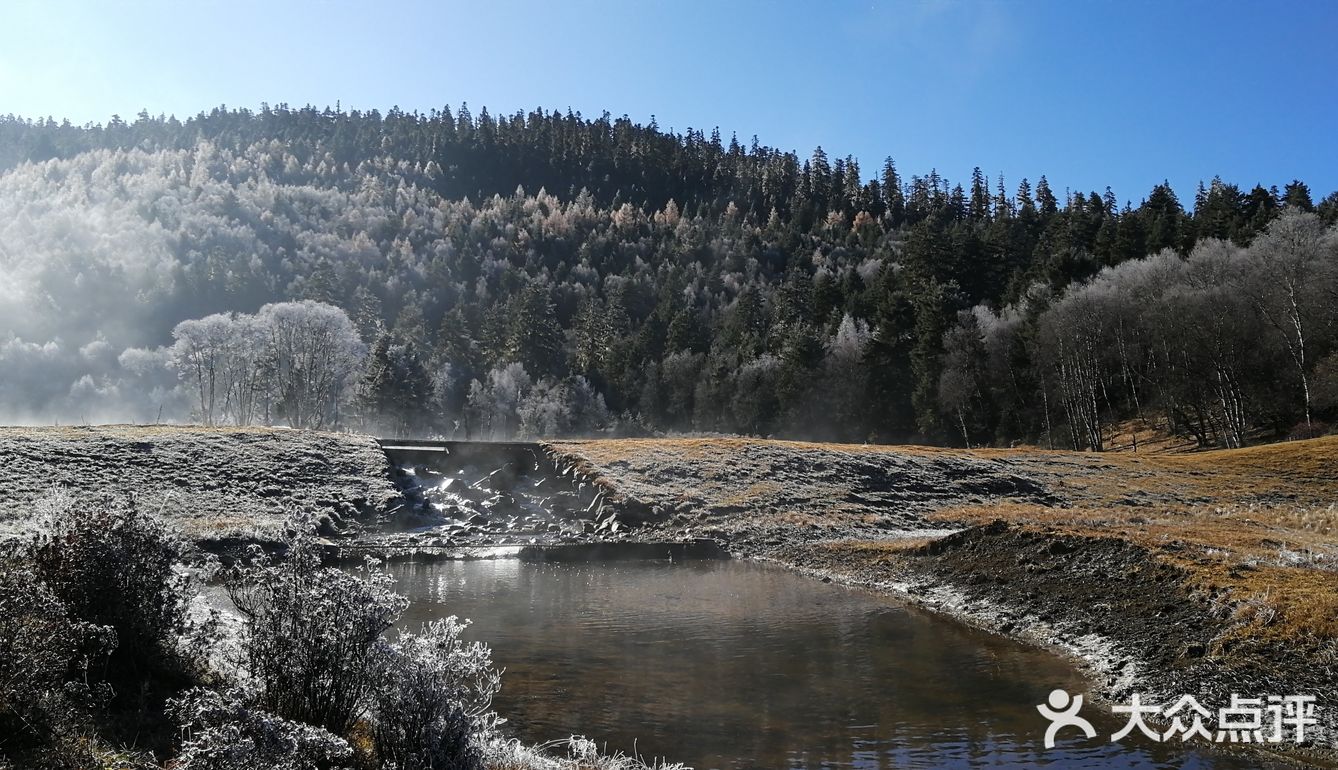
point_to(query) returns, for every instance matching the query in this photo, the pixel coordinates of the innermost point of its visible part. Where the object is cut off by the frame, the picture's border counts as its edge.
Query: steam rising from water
(101, 255)
(85, 286)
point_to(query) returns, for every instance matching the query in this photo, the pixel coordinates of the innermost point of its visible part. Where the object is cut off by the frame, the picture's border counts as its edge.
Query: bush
(113, 565)
(432, 701)
(223, 733)
(44, 657)
(94, 605)
(311, 641)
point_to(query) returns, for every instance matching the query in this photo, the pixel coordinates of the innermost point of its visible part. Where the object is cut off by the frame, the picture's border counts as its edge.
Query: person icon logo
(1063, 712)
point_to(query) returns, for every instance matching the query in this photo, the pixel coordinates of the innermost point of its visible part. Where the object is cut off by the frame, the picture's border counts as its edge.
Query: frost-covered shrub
(311, 639)
(432, 701)
(221, 732)
(111, 564)
(44, 656)
(581, 754)
(585, 755)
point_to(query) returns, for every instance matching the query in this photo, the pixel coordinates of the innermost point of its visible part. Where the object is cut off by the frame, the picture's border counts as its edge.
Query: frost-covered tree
(544, 411)
(1289, 274)
(316, 352)
(201, 354)
(846, 378)
(492, 404)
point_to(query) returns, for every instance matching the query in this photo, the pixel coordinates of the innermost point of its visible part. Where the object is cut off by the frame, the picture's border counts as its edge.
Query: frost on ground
(580, 754)
(752, 492)
(213, 484)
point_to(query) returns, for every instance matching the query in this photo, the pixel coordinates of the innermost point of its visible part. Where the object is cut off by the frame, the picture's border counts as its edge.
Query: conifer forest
(471, 275)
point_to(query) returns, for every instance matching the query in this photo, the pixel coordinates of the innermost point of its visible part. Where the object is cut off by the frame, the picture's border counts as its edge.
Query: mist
(103, 254)
(85, 287)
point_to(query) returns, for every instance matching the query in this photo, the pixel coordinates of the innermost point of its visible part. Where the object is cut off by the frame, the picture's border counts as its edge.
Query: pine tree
(535, 337)
(980, 196)
(1296, 195)
(367, 314)
(892, 193)
(591, 336)
(1045, 199)
(378, 390)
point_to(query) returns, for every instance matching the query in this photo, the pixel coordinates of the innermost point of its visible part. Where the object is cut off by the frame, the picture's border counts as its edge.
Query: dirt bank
(216, 484)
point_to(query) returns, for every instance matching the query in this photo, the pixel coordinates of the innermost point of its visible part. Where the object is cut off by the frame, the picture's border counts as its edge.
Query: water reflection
(738, 665)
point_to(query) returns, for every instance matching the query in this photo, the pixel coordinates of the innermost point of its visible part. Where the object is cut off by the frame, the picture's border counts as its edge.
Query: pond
(728, 664)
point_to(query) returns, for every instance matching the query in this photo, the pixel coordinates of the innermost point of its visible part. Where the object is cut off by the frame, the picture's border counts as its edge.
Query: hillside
(545, 275)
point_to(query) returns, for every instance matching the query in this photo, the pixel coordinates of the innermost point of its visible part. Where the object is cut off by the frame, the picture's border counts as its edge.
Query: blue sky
(1089, 92)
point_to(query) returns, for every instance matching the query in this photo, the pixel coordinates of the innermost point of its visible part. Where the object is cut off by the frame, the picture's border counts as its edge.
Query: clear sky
(1089, 92)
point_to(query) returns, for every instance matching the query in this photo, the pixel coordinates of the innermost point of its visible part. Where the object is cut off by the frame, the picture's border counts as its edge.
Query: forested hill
(544, 273)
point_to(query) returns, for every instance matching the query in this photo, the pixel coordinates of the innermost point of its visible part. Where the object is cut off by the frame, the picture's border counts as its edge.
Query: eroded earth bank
(1203, 574)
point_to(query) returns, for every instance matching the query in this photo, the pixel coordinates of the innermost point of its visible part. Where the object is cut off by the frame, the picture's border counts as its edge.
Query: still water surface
(724, 664)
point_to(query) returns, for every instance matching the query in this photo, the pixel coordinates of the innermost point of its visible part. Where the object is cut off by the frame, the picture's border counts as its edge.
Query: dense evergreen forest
(546, 273)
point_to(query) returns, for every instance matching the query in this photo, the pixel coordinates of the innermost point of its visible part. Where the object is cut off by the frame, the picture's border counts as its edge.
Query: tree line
(1222, 345)
(304, 365)
(544, 273)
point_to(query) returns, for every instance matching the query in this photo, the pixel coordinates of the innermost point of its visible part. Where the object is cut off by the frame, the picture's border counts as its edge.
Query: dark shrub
(1303, 431)
(113, 565)
(44, 659)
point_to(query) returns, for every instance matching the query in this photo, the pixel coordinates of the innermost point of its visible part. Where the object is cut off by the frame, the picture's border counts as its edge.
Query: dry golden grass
(753, 492)
(606, 451)
(1278, 567)
(1303, 472)
(1260, 523)
(1297, 467)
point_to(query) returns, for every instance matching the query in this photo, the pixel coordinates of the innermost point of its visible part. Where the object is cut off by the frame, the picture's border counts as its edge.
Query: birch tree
(1287, 274)
(200, 354)
(316, 351)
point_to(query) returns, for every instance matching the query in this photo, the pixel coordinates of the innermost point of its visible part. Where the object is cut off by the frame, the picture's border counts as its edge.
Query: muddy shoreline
(1111, 660)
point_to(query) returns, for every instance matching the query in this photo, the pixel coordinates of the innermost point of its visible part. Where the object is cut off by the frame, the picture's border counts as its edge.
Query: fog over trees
(546, 274)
